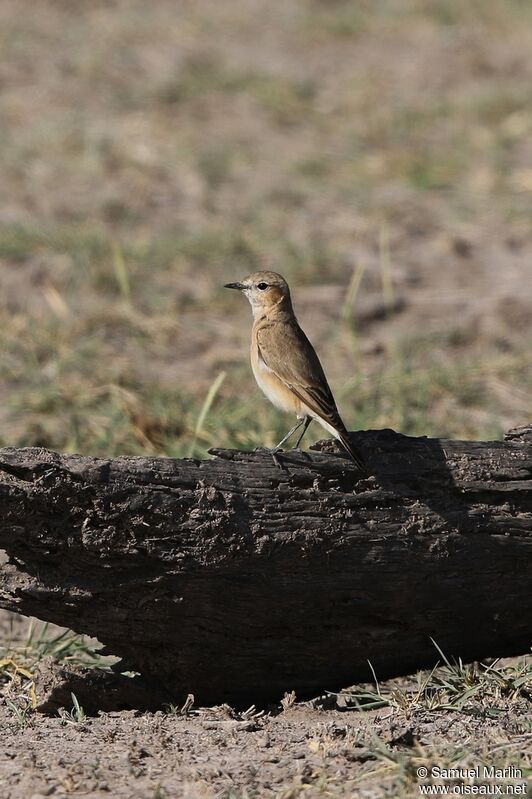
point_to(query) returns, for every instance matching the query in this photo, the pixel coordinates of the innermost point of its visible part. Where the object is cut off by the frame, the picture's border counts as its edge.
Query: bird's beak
(238, 286)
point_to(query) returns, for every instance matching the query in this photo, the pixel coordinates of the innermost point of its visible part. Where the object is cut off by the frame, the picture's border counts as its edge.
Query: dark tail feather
(355, 455)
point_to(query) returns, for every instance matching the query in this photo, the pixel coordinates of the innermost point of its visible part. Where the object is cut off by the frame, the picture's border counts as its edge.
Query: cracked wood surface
(235, 581)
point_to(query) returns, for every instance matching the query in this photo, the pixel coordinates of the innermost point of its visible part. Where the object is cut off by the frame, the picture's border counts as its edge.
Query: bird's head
(264, 290)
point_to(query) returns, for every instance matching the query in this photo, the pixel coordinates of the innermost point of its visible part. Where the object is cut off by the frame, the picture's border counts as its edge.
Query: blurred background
(378, 153)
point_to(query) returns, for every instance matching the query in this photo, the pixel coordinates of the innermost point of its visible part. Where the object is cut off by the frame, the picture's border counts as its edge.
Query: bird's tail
(357, 458)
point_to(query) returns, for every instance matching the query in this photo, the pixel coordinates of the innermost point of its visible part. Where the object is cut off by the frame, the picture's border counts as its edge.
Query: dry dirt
(330, 753)
(302, 750)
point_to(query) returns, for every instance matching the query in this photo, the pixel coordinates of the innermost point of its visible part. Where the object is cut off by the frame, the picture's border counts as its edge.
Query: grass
(43, 640)
(112, 318)
(398, 770)
(209, 399)
(476, 688)
(89, 361)
(77, 714)
(438, 698)
(20, 658)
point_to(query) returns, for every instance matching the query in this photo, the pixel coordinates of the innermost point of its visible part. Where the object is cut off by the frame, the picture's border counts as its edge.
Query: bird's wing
(288, 353)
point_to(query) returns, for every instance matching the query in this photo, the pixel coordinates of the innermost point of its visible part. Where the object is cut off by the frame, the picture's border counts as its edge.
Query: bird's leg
(289, 434)
(307, 420)
(275, 450)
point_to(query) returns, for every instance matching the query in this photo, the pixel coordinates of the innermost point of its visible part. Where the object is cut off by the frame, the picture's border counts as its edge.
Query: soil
(322, 747)
(126, 754)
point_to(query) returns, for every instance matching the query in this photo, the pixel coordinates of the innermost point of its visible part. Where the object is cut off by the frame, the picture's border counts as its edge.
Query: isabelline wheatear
(285, 364)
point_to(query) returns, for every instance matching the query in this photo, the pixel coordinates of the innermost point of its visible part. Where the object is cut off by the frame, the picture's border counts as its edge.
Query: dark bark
(235, 581)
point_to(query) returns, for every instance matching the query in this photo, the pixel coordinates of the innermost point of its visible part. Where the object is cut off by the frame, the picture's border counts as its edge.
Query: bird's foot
(277, 458)
(276, 454)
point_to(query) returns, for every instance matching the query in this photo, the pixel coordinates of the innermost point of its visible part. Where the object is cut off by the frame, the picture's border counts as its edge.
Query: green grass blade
(121, 272)
(446, 661)
(209, 399)
(352, 291)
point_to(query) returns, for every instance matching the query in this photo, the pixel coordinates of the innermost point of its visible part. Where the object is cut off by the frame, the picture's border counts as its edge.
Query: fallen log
(236, 581)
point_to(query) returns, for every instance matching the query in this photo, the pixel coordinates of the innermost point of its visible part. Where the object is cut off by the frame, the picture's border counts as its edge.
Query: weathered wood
(235, 581)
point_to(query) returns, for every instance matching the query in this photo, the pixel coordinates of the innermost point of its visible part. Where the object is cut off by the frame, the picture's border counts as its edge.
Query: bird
(285, 364)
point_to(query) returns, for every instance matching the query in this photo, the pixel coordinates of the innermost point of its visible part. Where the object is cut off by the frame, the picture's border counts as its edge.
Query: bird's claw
(275, 453)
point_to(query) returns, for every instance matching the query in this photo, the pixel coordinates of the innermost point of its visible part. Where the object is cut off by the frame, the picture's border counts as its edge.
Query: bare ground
(326, 747)
(299, 752)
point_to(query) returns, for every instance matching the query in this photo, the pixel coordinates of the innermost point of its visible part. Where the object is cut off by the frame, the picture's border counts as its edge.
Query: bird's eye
(262, 286)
